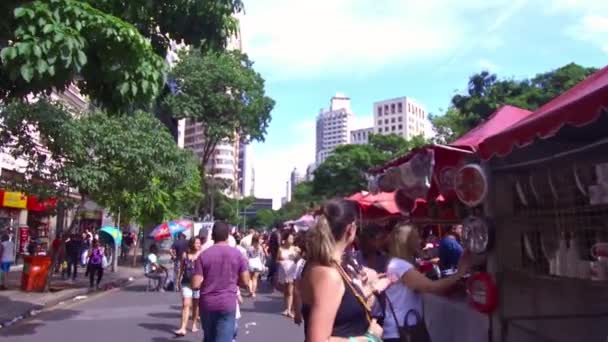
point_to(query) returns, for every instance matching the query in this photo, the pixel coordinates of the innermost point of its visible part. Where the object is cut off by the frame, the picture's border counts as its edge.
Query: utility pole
(116, 247)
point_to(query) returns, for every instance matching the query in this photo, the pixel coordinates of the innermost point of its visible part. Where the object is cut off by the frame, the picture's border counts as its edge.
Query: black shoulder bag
(410, 333)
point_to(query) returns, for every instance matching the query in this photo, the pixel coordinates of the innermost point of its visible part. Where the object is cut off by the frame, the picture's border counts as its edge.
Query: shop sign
(24, 238)
(471, 185)
(14, 200)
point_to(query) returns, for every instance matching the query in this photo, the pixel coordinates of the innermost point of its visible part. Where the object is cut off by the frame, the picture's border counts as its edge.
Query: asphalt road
(131, 314)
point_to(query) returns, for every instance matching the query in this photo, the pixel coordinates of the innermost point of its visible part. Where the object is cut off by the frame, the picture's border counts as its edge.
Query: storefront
(91, 217)
(450, 188)
(39, 215)
(549, 199)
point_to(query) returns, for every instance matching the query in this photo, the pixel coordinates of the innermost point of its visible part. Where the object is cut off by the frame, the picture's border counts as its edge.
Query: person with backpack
(95, 264)
(189, 296)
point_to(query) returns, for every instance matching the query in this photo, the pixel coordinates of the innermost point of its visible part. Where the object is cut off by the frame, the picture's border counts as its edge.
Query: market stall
(549, 200)
(456, 189)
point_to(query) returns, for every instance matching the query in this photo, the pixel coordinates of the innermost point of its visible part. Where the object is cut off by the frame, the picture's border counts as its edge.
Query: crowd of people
(342, 281)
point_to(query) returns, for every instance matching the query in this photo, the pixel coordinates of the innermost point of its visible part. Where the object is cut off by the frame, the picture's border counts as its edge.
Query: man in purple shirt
(217, 272)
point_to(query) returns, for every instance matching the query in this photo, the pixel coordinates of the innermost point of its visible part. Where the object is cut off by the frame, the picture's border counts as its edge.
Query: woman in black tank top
(333, 309)
(351, 316)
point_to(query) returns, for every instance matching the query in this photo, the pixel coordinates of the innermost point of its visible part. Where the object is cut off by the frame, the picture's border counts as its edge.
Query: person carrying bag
(416, 332)
(404, 298)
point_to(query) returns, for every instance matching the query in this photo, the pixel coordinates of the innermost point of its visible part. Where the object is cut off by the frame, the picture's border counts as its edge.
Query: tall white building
(295, 178)
(245, 169)
(402, 116)
(333, 126)
(361, 136)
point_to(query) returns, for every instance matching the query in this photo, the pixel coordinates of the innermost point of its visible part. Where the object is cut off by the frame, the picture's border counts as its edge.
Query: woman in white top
(404, 295)
(256, 257)
(286, 258)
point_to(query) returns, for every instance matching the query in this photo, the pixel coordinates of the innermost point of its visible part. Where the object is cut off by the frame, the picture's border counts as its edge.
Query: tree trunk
(136, 241)
(54, 254)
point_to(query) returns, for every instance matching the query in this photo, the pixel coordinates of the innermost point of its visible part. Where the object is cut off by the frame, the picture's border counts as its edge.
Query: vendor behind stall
(371, 248)
(450, 249)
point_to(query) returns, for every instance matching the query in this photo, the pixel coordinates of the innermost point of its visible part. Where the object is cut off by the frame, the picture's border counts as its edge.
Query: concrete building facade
(361, 136)
(401, 116)
(333, 126)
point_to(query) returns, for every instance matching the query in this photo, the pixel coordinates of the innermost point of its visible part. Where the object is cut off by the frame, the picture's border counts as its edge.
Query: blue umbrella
(167, 230)
(114, 233)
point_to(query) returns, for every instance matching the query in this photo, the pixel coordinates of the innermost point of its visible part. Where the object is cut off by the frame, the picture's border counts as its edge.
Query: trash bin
(35, 271)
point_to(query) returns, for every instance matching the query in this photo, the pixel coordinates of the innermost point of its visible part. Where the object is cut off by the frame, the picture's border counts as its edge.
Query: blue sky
(377, 49)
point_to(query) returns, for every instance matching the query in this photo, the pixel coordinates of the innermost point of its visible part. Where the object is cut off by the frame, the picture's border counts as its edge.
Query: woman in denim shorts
(189, 297)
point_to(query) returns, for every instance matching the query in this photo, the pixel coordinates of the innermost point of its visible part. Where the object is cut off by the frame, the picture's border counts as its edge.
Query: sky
(370, 50)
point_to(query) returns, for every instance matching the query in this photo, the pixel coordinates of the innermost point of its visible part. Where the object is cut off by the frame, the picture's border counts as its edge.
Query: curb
(79, 295)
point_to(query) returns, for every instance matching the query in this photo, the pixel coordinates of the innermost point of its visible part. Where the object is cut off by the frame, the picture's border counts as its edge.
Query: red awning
(579, 106)
(376, 205)
(504, 117)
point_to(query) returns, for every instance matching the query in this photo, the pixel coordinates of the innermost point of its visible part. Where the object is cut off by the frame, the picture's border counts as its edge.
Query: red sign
(483, 293)
(34, 204)
(471, 185)
(24, 238)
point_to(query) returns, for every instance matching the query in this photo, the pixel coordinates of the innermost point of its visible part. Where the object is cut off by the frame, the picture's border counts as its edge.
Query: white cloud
(593, 29)
(487, 65)
(591, 24)
(290, 38)
(487, 36)
(363, 121)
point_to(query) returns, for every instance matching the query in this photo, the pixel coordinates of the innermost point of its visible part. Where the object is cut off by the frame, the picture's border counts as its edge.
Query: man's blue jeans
(218, 326)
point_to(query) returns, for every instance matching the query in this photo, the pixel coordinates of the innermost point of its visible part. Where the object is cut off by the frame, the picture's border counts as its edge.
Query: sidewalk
(17, 304)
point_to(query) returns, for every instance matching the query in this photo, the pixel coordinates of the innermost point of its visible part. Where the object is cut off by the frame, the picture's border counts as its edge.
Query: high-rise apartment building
(402, 116)
(361, 136)
(333, 126)
(295, 178)
(224, 161)
(245, 169)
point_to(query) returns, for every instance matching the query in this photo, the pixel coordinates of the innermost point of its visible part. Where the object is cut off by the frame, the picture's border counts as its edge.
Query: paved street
(132, 314)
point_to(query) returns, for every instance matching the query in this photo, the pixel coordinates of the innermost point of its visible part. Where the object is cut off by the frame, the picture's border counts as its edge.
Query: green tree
(344, 172)
(51, 44)
(207, 23)
(486, 93)
(223, 93)
(104, 46)
(448, 127)
(302, 200)
(264, 218)
(128, 163)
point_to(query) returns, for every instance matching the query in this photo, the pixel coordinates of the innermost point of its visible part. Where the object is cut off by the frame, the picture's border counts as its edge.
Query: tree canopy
(486, 93)
(129, 163)
(113, 49)
(222, 92)
(343, 172)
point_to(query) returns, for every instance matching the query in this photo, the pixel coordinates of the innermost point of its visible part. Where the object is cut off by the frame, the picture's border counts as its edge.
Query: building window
(380, 130)
(393, 128)
(386, 121)
(400, 119)
(379, 122)
(399, 107)
(400, 127)
(379, 110)
(385, 109)
(393, 120)
(392, 108)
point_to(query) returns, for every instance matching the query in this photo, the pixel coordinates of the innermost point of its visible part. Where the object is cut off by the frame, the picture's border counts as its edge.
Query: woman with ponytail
(333, 307)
